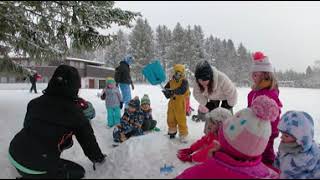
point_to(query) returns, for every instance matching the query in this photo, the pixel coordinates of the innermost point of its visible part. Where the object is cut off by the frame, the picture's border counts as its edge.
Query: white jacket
(223, 89)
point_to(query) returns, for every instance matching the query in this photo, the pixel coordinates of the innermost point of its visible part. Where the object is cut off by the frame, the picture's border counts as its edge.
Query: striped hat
(261, 63)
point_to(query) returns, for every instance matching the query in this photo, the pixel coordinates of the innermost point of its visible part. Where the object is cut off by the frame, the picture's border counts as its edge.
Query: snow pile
(142, 157)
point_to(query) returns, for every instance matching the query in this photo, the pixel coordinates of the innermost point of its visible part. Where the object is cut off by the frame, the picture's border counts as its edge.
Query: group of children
(241, 145)
(137, 118)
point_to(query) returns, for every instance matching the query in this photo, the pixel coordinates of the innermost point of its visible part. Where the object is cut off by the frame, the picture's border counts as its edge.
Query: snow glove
(121, 105)
(88, 109)
(90, 112)
(185, 155)
(203, 109)
(168, 93)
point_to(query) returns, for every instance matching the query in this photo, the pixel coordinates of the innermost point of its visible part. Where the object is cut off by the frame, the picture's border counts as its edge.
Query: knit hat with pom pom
(261, 63)
(246, 134)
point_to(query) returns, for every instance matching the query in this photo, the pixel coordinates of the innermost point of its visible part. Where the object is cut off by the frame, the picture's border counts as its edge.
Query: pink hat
(261, 63)
(246, 134)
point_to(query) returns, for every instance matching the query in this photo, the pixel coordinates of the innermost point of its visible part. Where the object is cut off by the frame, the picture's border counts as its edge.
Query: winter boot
(184, 139)
(172, 135)
(156, 129)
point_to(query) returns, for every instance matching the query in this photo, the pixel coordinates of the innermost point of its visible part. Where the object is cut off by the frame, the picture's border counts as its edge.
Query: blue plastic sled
(154, 73)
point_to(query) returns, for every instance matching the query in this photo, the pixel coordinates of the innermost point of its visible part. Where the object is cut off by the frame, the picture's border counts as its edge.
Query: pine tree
(189, 51)
(242, 65)
(309, 71)
(117, 50)
(141, 46)
(41, 29)
(199, 44)
(177, 47)
(162, 43)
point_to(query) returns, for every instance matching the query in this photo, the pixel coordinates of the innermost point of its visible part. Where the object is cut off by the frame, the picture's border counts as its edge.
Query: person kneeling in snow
(299, 155)
(148, 122)
(199, 151)
(50, 122)
(243, 138)
(130, 123)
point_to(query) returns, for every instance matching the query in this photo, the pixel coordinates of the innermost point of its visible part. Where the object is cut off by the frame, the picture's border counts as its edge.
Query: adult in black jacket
(33, 77)
(123, 79)
(50, 122)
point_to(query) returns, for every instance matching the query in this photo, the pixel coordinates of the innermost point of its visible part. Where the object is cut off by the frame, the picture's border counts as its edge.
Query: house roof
(103, 67)
(84, 60)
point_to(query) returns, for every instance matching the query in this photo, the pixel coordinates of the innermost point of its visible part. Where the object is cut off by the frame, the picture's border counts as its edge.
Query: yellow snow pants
(176, 114)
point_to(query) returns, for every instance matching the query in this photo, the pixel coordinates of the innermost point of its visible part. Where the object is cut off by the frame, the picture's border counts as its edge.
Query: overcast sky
(288, 32)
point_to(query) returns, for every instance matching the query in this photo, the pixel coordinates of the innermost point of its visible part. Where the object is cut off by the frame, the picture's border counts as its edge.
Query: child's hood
(300, 125)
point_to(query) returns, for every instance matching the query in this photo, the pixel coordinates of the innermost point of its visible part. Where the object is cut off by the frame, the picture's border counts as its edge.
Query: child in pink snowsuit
(265, 83)
(243, 138)
(199, 151)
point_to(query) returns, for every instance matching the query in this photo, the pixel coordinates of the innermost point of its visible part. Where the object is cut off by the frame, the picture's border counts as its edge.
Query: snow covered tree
(309, 71)
(231, 60)
(189, 51)
(199, 43)
(42, 29)
(242, 65)
(177, 46)
(141, 46)
(211, 49)
(222, 55)
(162, 44)
(117, 50)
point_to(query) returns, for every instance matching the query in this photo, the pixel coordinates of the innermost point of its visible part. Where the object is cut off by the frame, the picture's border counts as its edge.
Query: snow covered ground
(139, 157)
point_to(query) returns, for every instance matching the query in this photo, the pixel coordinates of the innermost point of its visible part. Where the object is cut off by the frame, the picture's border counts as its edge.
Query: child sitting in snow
(130, 123)
(148, 122)
(198, 151)
(298, 156)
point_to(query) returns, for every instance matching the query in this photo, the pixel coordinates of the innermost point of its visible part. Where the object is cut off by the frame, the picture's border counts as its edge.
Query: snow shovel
(154, 73)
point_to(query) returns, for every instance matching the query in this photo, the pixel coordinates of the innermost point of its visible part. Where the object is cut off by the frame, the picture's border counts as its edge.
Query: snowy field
(139, 157)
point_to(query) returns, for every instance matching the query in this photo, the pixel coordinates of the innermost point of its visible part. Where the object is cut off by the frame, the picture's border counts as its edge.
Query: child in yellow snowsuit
(177, 89)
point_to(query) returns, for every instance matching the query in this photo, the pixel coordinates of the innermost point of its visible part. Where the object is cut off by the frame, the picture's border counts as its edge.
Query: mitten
(185, 157)
(90, 112)
(185, 151)
(82, 103)
(121, 105)
(203, 109)
(167, 93)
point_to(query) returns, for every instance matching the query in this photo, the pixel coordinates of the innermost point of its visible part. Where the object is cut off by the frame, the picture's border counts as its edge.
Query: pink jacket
(201, 147)
(268, 156)
(223, 166)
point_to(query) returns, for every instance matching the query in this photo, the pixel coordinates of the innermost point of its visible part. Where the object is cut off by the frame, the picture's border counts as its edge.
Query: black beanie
(65, 81)
(204, 71)
(135, 103)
